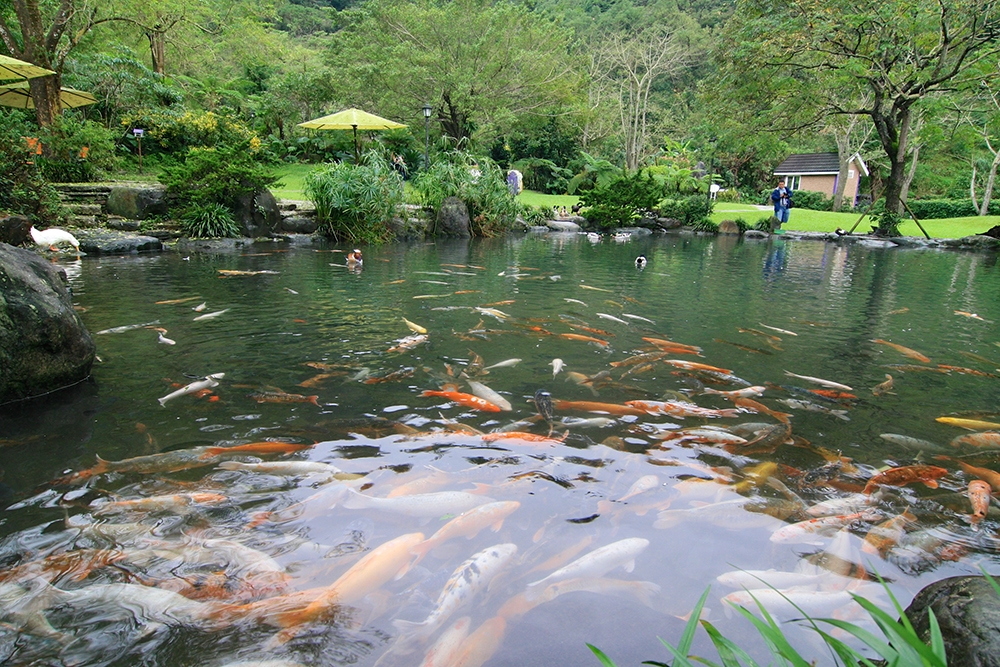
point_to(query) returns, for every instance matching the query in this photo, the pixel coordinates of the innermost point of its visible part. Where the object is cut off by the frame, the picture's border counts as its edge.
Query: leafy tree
(812, 58)
(478, 65)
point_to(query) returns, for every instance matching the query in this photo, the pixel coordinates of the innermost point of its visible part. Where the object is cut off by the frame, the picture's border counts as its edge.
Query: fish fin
(449, 386)
(629, 566)
(496, 526)
(932, 483)
(480, 488)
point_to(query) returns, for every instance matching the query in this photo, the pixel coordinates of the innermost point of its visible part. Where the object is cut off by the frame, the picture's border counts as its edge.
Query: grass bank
(804, 220)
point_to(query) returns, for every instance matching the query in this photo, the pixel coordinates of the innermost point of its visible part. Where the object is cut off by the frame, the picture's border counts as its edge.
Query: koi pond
(497, 451)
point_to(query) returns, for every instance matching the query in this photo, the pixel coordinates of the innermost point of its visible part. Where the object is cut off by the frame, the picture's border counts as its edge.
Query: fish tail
(314, 400)
(429, 392)
(419, 630)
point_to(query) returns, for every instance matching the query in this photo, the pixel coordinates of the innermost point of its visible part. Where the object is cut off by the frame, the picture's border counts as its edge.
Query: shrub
(621, 201)
(77, 150)
(22, 189)
(491, 208)
(222, 175)
(209, 220)
(356, 203)
(766, 224)
(814, 201)
(172, 130)
(729, 195)
(690, 210)
(535, 216)
(543, 175)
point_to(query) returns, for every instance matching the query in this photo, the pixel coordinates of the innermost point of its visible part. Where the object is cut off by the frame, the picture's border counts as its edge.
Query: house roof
(801, 164)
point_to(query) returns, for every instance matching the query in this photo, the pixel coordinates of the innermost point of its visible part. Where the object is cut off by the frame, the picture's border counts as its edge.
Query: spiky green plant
(209, 220)
(492, 210)
(356, 203)
(900, 646)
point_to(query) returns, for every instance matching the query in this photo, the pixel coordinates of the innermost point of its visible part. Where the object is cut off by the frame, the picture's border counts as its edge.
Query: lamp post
(427, 136)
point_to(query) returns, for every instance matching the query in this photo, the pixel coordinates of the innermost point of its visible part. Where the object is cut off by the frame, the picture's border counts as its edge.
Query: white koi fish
(283, 467)
(557, 365)
(127, 327)
(755, 579)
(595, 564)
(577, 301)
(209, 316)
(638, 317)
(444, 650)
(611, 317)
(471, 576)
(643, 591)
(791, 601)
(506, 363)
(821, 382)
(163, 339)
(482, 391)
(208, 382)
(200, 307)
(421, 505)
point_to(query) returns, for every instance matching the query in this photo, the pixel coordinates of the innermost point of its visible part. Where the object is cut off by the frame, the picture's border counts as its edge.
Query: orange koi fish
(592, 406)
(640, 358)
(467, 400)
(979, 496)
(678, 409)
(599, 332)
(255, 448)
(522, 435)
(750, 405)
(984, 439)
(282, 397)
(882, 538)
(836, 395)
(589, 339)
(906, 475)
(970, 315)
(695, 366)
(991, 477)
(469, 291)
(659, 342)
(905, 351)
(500, 303)
(968, 371)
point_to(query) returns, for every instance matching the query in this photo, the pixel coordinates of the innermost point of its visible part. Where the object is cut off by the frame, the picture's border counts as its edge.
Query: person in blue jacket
(781, 197)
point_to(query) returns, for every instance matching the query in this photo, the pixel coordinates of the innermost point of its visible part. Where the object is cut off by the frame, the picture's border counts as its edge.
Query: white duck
(52, 237)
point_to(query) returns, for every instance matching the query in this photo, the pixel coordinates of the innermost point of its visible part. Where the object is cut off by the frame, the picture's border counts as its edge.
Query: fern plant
(209, 220)
(356, 203)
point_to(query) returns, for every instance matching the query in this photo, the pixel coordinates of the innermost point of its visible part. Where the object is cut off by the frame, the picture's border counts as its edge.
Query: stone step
(83, 209)
(82, 188)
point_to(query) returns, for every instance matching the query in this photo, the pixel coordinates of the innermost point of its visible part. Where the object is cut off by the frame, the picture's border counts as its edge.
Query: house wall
(822, 184)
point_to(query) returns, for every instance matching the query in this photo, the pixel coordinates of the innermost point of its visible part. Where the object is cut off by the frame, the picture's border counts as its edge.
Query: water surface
(305, 345)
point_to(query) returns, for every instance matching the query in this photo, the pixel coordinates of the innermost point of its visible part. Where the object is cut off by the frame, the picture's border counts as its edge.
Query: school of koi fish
(417, 541)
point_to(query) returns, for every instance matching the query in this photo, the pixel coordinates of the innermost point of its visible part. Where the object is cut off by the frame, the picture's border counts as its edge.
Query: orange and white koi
(983, 439)
(970, 315)
(678, 409)
(883, 537)
(467, 400)
(750, 405)
(810, 530)
(266, 447)
(659, 342)
(695, 366)
(156, 503)
(979, 496)
(746, 392)
(408, 343)
(523, 436)
(906, 475)
(592, 406)
(588, 339)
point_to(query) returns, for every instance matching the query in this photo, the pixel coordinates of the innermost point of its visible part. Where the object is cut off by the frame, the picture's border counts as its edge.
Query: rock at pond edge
(968, 612)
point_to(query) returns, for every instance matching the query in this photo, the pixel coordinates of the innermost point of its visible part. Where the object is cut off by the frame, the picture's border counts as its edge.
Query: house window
(793, 182)
(850, 173)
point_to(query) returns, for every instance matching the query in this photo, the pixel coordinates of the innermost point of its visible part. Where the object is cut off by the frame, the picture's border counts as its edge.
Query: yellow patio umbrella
(352, 119)
(19, 95)
(12, 68)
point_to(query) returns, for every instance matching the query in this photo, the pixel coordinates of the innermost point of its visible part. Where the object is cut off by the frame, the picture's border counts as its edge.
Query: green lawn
(293, 181)
(804, 220)
(532, 198)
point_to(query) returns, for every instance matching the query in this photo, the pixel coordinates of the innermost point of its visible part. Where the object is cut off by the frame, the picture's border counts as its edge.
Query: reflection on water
(315, 471)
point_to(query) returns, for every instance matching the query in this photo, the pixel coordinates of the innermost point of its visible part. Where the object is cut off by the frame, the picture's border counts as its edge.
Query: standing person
(781, 197)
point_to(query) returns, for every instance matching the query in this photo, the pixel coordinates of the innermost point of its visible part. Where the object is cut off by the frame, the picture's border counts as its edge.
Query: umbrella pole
(357, 160)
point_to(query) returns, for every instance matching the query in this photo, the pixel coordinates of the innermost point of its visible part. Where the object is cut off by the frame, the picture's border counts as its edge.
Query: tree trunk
(904, 192)
(972, 186)
(893, 128)
(45, 95)
(843, 160)
(990, 181)
(158, 51)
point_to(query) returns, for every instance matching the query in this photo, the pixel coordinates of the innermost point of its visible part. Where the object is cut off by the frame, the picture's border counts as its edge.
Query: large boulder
(258, 214)
(43, 344)
(453, 218)
(137, 202)
(968, 612)
(15, 229)
(112, 242)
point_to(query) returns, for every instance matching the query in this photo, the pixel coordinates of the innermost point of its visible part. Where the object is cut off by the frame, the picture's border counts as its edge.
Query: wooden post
(915, 218)
(874, 199)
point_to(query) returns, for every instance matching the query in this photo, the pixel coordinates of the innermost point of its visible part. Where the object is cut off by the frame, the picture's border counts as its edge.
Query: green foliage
(729, 195)
(935, 209)
(492, 210)
(620, 202)
(78, 150)
(121, 83)
(221, 174)
(174, 130)
(356, 203)
(23, 191)
(765, 224)
(536, 216)
(689, 210)
(543, 175)
(900, 645)
(887, 223)
(209, 220)
(706, 225)
(595, 172)
(814, 201)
